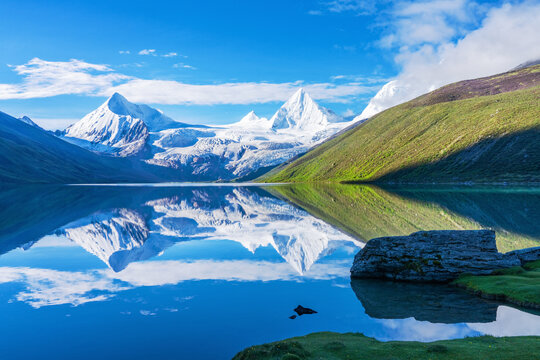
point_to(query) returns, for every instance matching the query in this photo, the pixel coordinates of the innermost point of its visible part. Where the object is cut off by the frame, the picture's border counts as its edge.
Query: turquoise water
(201, 272)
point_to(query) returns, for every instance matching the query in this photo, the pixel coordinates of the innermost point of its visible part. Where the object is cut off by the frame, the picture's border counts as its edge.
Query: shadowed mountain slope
(29, 154)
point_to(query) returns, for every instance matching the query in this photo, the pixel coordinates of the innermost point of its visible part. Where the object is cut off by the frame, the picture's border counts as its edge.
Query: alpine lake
(202, 271)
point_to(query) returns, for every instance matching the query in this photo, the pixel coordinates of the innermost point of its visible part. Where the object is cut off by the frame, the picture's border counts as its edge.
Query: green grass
(367, 211)
(330, 346)
(493, 138)
(519, 285)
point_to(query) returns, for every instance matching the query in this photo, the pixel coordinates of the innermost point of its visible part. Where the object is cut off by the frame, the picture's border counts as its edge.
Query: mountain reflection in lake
(204, 271)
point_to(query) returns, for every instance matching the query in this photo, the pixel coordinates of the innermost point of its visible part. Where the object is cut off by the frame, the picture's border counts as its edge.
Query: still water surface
(201, 272)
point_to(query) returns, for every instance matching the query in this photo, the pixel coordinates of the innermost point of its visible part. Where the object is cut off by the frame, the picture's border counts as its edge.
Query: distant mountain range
(484, 130)
(227, 152)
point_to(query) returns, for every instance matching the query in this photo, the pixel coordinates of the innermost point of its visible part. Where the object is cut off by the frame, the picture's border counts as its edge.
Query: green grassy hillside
(482, 130)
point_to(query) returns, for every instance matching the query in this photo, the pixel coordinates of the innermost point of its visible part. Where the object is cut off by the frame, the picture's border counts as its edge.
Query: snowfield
(226, 152)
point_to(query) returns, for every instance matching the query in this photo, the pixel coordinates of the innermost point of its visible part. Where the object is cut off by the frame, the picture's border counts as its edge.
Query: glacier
(215, 152)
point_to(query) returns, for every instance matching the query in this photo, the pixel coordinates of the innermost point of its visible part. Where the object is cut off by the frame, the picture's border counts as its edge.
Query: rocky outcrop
(435, 256)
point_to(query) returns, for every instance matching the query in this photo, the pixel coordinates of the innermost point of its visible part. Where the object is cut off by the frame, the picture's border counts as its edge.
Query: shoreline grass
(517, 285)
(330, 346)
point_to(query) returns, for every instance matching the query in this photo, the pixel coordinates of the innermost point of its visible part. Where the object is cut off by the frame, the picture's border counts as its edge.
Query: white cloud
(361, 7)
(46, 287)
(348, 112)
(171, 272)
(507, 36)
(510, 322)
(125, 52)
(174, 92)
(148, 52)
(46, 78)
(54, 124)
(171, 54)
(50, 78)
(184, 66)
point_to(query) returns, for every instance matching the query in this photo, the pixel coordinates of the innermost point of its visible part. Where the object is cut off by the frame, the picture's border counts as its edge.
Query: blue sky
(253, 53)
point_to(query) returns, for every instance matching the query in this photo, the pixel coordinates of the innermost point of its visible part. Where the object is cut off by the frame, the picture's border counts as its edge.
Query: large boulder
(432, 256)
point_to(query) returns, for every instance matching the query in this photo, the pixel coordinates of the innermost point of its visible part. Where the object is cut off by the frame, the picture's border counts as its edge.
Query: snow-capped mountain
(300, 112)
(119, 127)
(251, 120)
(226, 152)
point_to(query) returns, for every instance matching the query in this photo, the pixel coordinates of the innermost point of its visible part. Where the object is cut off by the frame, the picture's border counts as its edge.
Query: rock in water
(433, 256)
(300, 310)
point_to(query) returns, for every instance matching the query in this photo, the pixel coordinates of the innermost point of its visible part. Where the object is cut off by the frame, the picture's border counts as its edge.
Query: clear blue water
(201, 272)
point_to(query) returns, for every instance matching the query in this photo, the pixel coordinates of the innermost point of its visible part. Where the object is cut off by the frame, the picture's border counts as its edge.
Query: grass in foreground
(327, 345)
(518, 285)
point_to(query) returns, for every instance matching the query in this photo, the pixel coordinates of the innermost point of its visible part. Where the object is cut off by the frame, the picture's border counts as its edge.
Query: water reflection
(186, 264)
(435, 303)
(367, 212)
(157, 218)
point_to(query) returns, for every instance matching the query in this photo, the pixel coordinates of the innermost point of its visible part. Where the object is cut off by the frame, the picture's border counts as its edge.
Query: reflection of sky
(196, 290)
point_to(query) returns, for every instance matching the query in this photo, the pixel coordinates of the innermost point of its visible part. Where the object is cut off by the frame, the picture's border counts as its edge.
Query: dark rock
(432, 256)
(300, 310)
(292, 317)
(436, 303)
(526, 255)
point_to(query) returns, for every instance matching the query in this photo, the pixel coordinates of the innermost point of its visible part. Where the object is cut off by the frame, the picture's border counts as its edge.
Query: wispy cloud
(47, 287)
(124, 52)
(174, 92)
(46, 78)
(171, 54)
(349, 48)
(184, 66)
(358, 7)
(43, 78)
(148, 52)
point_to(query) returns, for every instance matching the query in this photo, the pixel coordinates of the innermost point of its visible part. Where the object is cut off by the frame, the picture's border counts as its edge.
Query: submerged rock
(432, 256)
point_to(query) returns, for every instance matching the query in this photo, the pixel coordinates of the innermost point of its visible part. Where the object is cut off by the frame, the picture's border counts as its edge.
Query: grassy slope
(519, 285)
(331, 346)
(367, 212)
(445, 136)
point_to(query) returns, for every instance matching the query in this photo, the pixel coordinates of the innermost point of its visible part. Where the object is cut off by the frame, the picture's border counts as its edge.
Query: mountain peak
(302, 112)
(117, 97)
(252, 120)
(118, 104)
